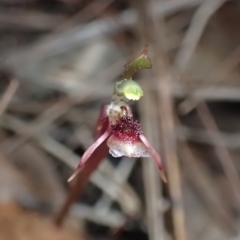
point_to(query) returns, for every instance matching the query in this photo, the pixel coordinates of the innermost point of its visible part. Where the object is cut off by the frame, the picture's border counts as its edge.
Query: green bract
(130, 89)
(140, 62)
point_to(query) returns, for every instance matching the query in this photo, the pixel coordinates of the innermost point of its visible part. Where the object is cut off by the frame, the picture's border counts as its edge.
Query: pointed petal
(102, 122)
(81, 179)
(100, 129)
(155, 156)
(92, 164)
(75, 173)
(89, 152)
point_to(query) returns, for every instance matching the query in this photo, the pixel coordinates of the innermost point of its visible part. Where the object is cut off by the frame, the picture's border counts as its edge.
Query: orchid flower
(116, 132)
(116, 127)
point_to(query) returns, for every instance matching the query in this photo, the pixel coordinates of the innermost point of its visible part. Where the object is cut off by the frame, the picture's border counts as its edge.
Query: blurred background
(59, 60)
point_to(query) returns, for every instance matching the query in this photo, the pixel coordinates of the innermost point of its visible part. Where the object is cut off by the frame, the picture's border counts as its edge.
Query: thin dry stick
(202, 180)
(193, 35)
(167, 127)
(87, 13)
(220, 149)
(152, 183)
(169, 149)
(79, 35)
(112, 219)
(231, 140)
(34, 56)
(200, 19)
(197, 173)
(123, 194)
(123, 170)
(7, 96)
(58, 109)
(47, 117)
(220, 74)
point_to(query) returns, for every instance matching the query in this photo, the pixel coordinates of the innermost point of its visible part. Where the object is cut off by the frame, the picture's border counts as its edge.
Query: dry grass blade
(193, 35)
(7, 96)
(169, 148)
(219, 75)
(80, 182)
(231, 140)
(151, 177)
(220, 149)
(47, 117)
(122, 172)
(153, 31)
(89, 12)
(204, 183)
(76, 36)
(29, 20)
(112, 218)
(126, 197)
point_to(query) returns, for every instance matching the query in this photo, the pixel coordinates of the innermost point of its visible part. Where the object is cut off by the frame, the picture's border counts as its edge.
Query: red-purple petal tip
(155, 156)
(76, 172)
(89, 152)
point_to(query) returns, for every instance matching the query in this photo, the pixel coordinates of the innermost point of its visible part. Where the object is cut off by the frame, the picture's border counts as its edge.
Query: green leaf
(140, 62)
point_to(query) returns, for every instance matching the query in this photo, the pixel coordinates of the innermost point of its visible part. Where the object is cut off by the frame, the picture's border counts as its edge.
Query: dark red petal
(81, 179)
(100, 129)
(92, 164)
(155, 156)
(102, 122)
(89, 152)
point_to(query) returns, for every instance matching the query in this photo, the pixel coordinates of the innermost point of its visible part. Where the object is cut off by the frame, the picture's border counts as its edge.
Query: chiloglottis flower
(116, 132)
(123, 137)
(116, 129)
